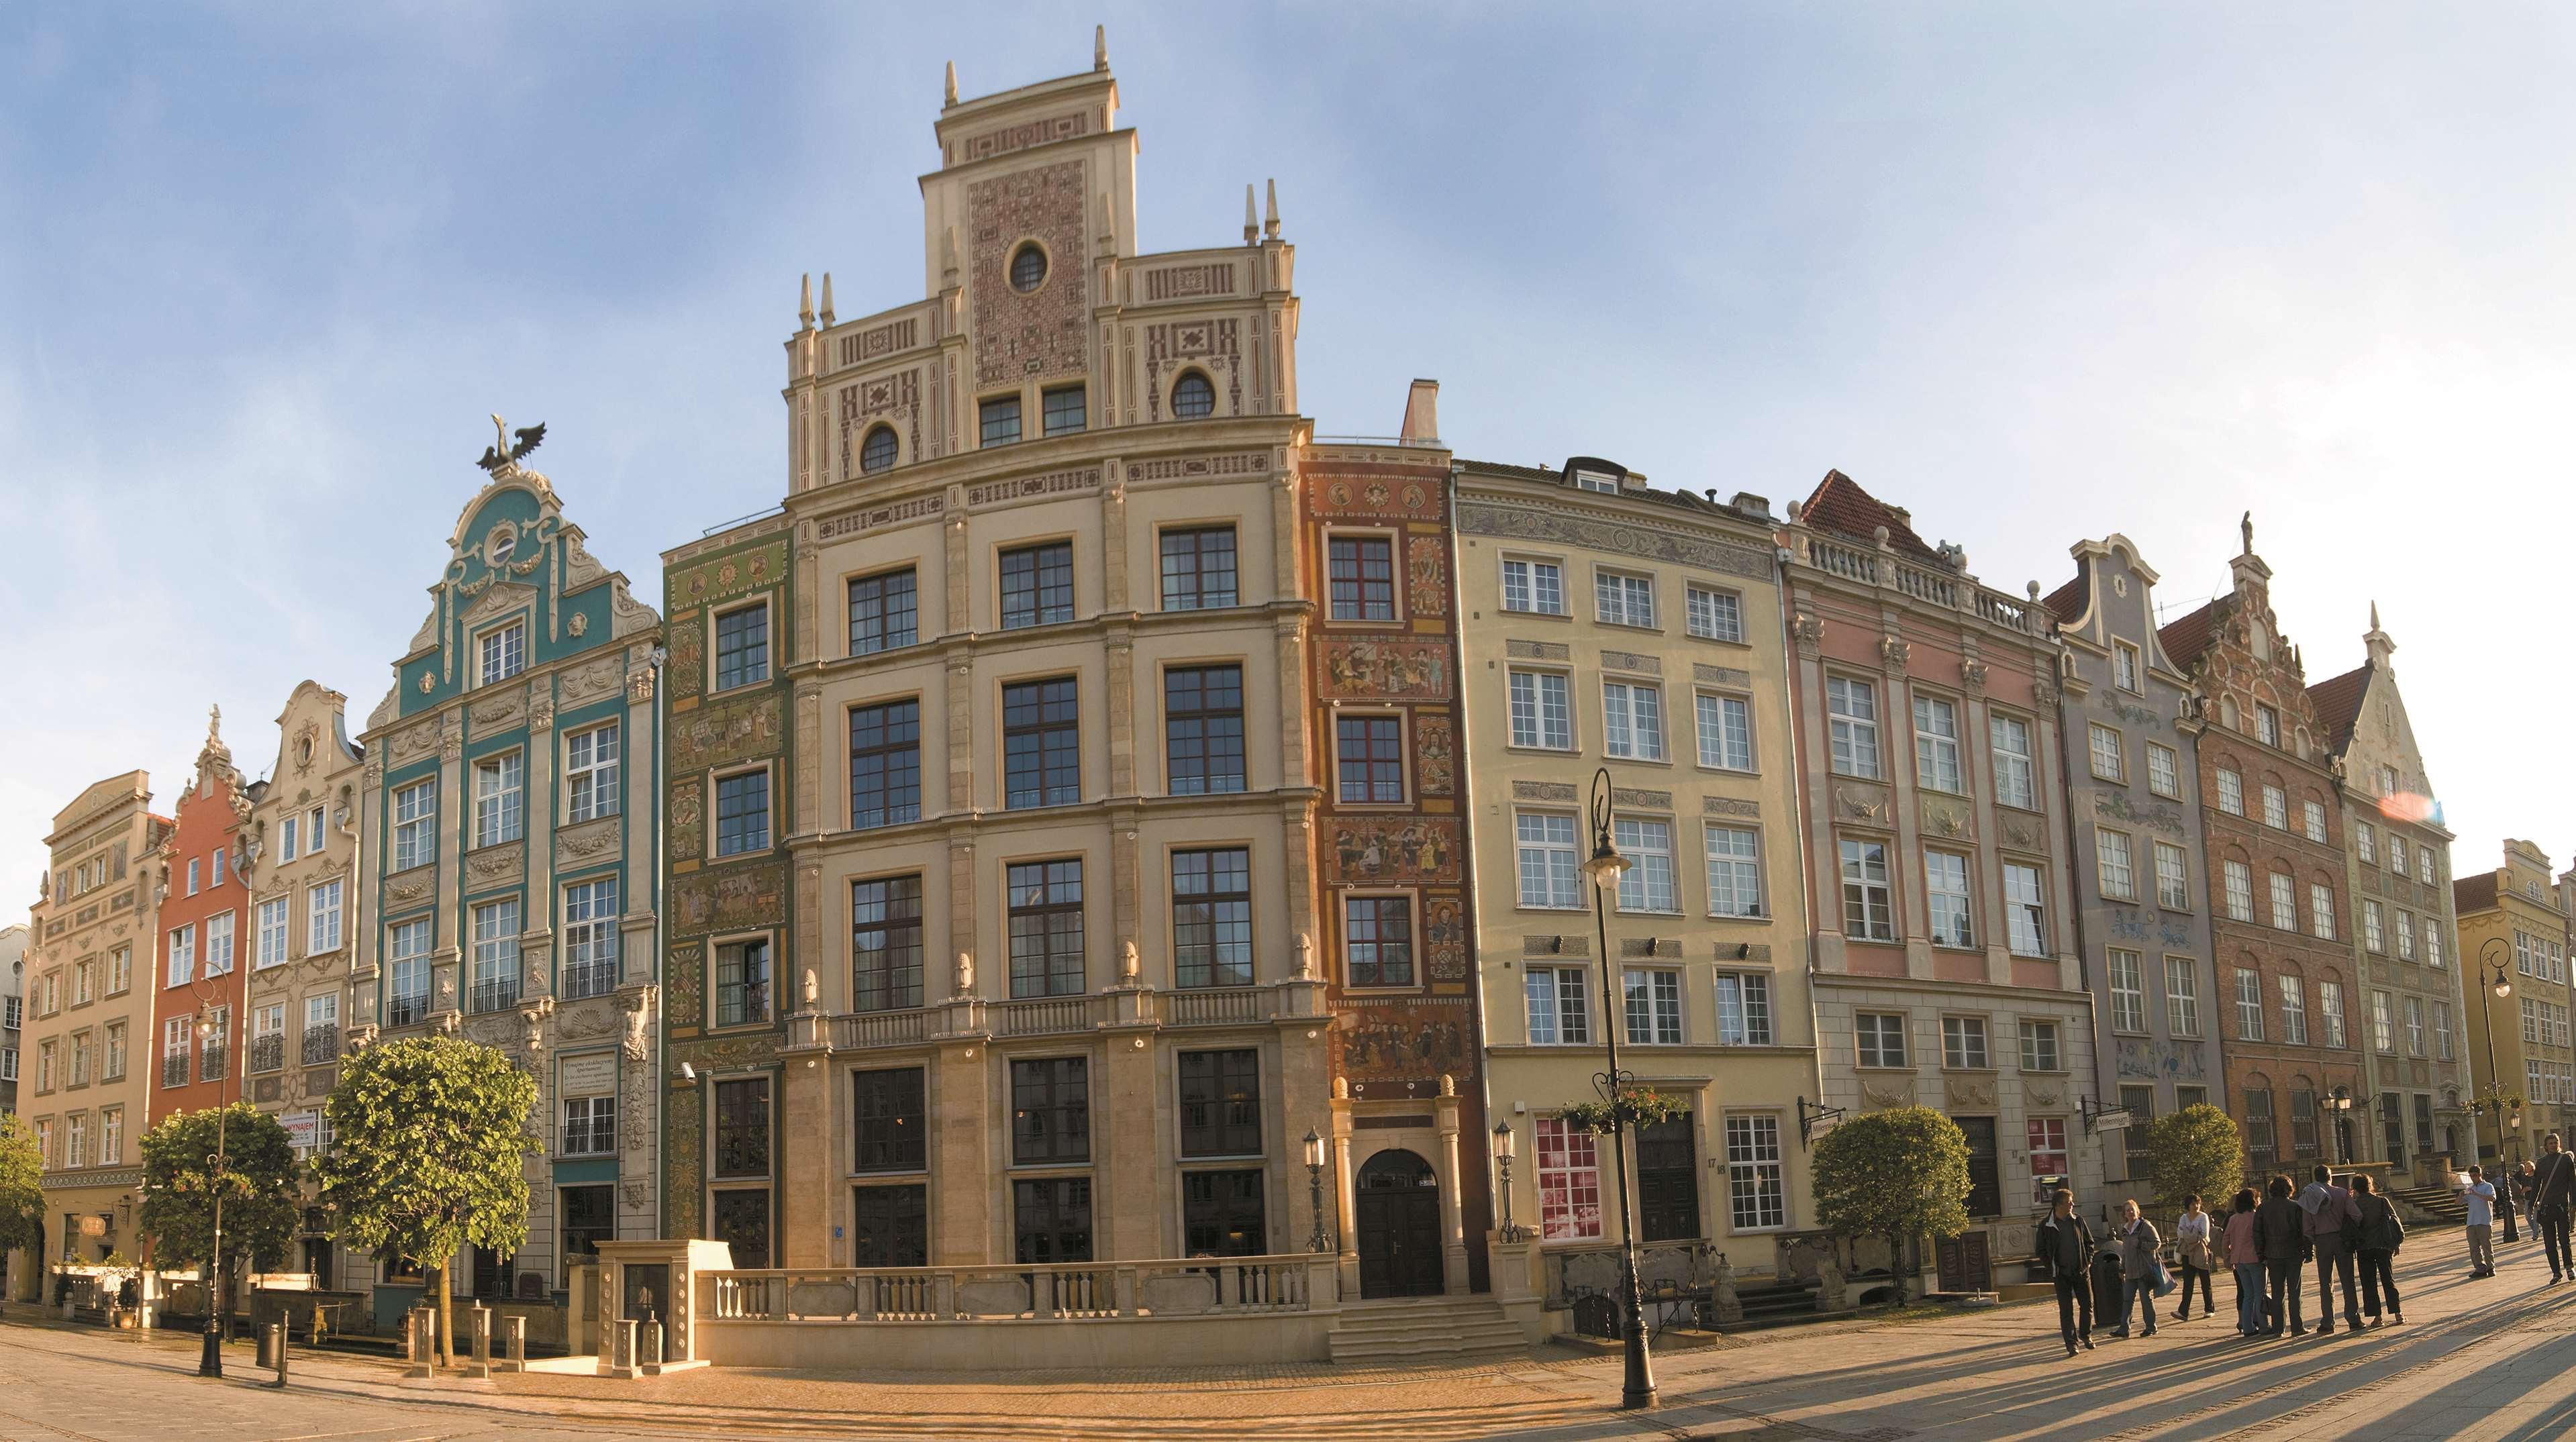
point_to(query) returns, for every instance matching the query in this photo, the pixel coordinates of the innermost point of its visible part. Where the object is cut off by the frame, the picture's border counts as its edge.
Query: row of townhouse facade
(1091, 815)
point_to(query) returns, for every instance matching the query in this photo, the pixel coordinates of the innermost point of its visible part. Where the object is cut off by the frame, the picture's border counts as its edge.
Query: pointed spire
(2374, 615)
(1099, 47)
(827, 297)
(805, 301)
(952, 82)
(1270, 213)
(1251, 221)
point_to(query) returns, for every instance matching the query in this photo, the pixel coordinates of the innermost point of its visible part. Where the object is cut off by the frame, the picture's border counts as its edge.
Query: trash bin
(2106, 1287)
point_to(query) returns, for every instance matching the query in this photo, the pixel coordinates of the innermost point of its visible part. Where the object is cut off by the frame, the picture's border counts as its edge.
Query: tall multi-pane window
(219, 944)
(2276, 808)
(742, 813)
(2285, 901)
(1212, 917)
(885, 764)
(885, 612)
(1537, 587)
(1945, 886)
(2405, 936)
(1220, 1103)
(1755, 1195)
(892, 1121)
(2414, 1026)
(2249, 1004)
(1199, 569)
(1963, 1043)
(2315, 820)
(2330, 1010)
(1037, 585)
(2321, 911)
(496, 955)
(2294, 1012)
(1569, 1181)
(1936, 745)
(1624, 600)
(590, 773)
(1361, 578)
(1541, 716)
(1041, 743)
(2267, 724)
(407, 995)
(1869, 910)
(2126, 673)
(1852, 707)
(503, 652)
(2039, 1050)
(2118, 869)
(1045, 900)
(885, 943)
(2231, 792)
(2008, 738)
(500, 790)
(1648, 883)
(1734, 869)
(1061, 410)
(322, 917)
(1714, 614)
(1368, 759)
(1557, 1001)
(2173, 877)
(1653, 1006)
(2025, 910)
(2110, 762)
(2442, 1031)
(1203, 729)
(590, 1126)
(1632, 717)
(2433, 941)
(1878, 1039)
(2240, 890)
(1377, 935)
(1546, 860)
(2365, 843)
(415, 824)
(2128, 991)
(743, 982)
(2182, 995)
(1743, 1008)
(2164, 771)
(269, 943)
(590, 938)
(1725, 731)
(321, 1028)
(742, 647)
(998, 421)
(183, 958)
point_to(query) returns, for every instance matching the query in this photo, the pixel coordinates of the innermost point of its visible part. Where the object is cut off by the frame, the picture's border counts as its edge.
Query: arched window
(877, 452)
(1028, 268)
(1193, 399)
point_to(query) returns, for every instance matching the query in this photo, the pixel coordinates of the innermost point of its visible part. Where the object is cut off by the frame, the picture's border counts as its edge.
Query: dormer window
(504, 652)
(1028, 267)
(1604, 482)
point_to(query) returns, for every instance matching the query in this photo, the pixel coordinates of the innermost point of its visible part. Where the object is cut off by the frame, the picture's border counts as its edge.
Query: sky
(2037, 272)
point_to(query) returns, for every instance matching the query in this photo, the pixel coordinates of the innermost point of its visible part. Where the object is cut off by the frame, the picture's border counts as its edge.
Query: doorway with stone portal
(1398, 1216)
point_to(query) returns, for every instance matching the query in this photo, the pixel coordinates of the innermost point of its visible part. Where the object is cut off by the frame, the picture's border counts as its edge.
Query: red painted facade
(204, 949)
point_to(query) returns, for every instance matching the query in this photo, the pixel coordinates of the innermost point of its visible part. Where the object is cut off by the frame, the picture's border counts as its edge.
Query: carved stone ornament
(1893, 651)
(1810, 631)
(965, 973)
(1945, 817)
(2043, 691)
(2024, 833)
(1860, 803)
(1972, 676)
(1305, 957)
(813, 989)
(1969, 1091)
(1892, 1094)
(1129, 968)
(2043, 1094)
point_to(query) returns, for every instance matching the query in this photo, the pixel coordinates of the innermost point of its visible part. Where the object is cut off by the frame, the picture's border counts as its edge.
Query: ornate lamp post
(1315, 1187)
(2491, 964)
(1510, 1230)
(2339, 1101)
(210, 1360)
(1604, 867)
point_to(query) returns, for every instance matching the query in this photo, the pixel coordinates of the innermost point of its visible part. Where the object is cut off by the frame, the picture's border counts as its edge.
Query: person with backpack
(2382, 1233)
(2245, 1260)
(2281, 1235)
(2065, 1247)
(2192, 1248)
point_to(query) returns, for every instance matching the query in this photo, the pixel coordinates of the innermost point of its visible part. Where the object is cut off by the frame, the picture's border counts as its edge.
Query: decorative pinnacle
(1270, 213)
(805, 301)
(1251, 221)
(952, 82)
(1099, 47)
(827, 297)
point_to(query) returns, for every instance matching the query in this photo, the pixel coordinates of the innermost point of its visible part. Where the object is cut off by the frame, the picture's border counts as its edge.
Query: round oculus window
(1028, 268)
(1193, 398)
(877, 452)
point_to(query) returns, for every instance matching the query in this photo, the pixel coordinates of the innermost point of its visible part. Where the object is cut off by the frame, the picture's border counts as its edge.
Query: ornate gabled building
(87, 1071)
(2276, 880)
(2398, 872)
(301, 868)
(198, 983)
(512, 846)
(2132, 777)
(1942, 922)
(2522, 1052)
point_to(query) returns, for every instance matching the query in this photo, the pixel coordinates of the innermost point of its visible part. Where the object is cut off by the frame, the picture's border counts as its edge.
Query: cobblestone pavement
(2496, 1359)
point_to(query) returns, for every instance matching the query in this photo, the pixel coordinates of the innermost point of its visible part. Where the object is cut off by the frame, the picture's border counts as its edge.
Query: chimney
(1422, 414)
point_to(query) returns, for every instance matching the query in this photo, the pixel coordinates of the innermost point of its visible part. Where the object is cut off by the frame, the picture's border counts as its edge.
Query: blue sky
(2037, 272)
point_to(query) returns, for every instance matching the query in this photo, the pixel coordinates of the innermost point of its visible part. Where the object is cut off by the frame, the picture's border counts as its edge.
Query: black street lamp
(1604, 867)
(1510, 1230)
(2499, 982)
(2339, 1101)
(1315, 1187)
(210, 1361)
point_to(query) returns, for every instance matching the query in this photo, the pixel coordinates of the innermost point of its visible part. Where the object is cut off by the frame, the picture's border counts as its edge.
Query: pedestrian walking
(2333, 1225)
(2281, 1234)
(2522, 1202)
(2199, 1259)
(2245, 1260)
(2142, 1271)
(2553, 1190)
(2382, 1233)
(2480, 1195)
(2065, 1249)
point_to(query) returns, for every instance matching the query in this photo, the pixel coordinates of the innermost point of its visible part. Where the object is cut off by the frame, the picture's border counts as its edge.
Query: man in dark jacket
(2328, 1208)
(2065, 1250)
(2281, 1235)
(2553, 1189)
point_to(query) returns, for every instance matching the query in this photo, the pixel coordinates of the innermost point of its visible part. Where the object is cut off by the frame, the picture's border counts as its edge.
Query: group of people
(2352, 1233)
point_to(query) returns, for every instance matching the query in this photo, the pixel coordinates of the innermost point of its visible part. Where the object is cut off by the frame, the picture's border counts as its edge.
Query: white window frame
(2126, 971)
(416, 823)
(2115, 863)
(1724, 726)
(591, 786)
(2294, 1010)
(500, 798)
(2115, 767)
(2026, 910)
(1557, 1003)
(2250, 1004)
(2313, 817)
(2239, 879)
(183, 956)
(1623, 598)
(1735, 886)
(2164, 771)
(1651, 995)
(2009, 741)
(1557, 858)
(1867, 885)
(501, 652)
(2173, 877)
(272, 922)
(1937, 764)
(2276, 807)
(2182, 996)
(2283, 889)
(1547, 702)
(2128, 668)
(1541, 580)
(2040, 1045)
(1967, 1043)
(1744, 1016)
(2231, 791)
(1756, 1185)
(1628, 732)
(1949, 891)
(1650, 885)
(323, 929)
(1713, 613)
(1851, 706)
(2330, 1010)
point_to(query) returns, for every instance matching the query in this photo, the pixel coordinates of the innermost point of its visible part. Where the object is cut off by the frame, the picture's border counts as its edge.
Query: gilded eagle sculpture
(501, 453)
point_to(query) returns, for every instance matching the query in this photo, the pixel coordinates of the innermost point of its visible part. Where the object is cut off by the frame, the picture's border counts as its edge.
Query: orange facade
(205, 940)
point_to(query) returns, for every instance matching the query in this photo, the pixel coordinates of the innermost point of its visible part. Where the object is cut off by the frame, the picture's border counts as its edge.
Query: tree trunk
(1896, 1266)
(446, 1319)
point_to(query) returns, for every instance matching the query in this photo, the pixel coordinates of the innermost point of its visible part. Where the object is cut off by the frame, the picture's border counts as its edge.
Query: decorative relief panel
(1212, 345)
(1181, 282)
(411, 888)
(1631, 661)
(1877, 1093)
(1565, 945)
(2022, 830)
(1434, 755)
(412, 743)
(1444, 938)
(1975, 1093)
(586, 843)
(1040, 334)
(1239, 463)
(1728, 806)
(493, 865)
(1538, 650)
(1396, 849)
(1861, 802)
(1377, 498)
(876, 518)
(1629, 796)
(1709, 675)
(498, 712)
(687, 819)
(728, 576)
(1380, 1045)
(1479, 518)
(1946, 816)
(1387, 670)
(1427, 576)
(1021, 136)
(589, 682)
(724, 734)
(745, 896)
(1019, 488)
(687, 979)
(895, 399)
(1545, 791)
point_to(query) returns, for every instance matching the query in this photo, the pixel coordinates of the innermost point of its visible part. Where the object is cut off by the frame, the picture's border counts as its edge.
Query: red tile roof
(2474, 893)
(2338, 703)
(2067, 602)
(1841, 506)
(2184, 640)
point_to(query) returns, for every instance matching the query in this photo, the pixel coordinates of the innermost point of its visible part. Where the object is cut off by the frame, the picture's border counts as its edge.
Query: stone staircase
(1777, 1304)
(2430, 1206)
(1406, 1331)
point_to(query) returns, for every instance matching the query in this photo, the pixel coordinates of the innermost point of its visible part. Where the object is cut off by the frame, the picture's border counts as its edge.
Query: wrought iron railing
(321, 1044)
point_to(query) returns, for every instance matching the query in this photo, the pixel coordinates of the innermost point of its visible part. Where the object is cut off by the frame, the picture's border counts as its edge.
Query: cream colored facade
(300, 934)
(2513, 924)
(1612, 602)
(86, 1044)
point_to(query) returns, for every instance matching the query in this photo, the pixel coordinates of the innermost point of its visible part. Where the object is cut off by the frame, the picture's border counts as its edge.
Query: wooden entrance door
(1398, 1210)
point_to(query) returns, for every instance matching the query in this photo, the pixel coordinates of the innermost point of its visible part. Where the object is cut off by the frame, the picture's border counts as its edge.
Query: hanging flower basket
(1633, 1107)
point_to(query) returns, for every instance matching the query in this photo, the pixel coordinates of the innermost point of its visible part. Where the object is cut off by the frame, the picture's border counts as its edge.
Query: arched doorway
(1399, 1227)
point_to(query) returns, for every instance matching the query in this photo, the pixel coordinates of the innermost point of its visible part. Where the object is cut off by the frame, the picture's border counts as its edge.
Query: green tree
(22, 1201)
(2194, 1150)
(1897, 1174)
(428, 1153)
(258, 1185)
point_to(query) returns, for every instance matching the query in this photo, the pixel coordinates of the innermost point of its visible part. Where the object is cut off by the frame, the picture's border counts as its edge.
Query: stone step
(1425, 1329)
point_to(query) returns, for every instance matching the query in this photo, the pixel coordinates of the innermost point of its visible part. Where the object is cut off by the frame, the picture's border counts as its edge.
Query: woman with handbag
(2382, 1233)
(2245, 1258)
(2142, 1270)
(2192, 1247)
